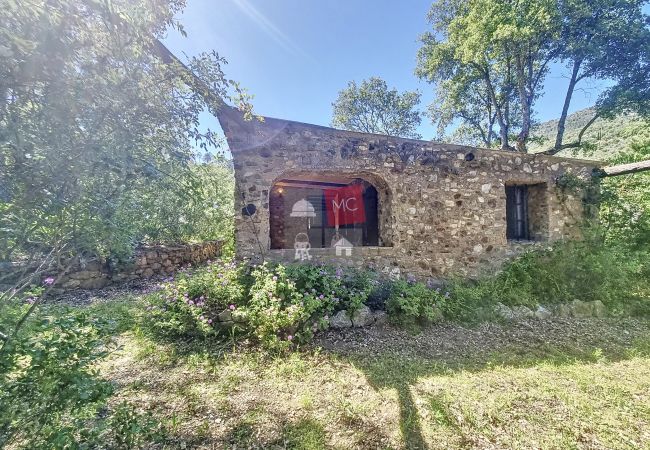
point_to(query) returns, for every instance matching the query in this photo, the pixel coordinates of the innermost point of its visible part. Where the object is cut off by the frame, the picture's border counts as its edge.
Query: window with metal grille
(517, 212)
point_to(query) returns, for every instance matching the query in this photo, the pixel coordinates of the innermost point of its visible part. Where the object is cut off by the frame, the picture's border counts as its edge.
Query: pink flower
(49, 281)
(232, 307)
(289, 338)
(209, 320)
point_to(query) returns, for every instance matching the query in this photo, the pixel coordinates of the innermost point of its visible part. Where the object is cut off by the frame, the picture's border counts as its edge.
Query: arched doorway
(324, 209)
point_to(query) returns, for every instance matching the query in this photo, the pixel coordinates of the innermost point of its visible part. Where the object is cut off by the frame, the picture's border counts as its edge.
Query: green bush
(586, 270)
(274, 305)
(280, 313)
(52, 395)
(415, 303)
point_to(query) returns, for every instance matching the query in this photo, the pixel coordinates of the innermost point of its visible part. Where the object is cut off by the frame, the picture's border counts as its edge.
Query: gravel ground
(83, 297)
(449, 341)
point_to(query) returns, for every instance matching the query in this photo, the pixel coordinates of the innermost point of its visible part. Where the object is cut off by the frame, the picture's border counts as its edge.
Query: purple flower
(191, 302)
(49, 281)
(321, 296)
(232, 307)
(209, 320)
(30, 300)
(201, 318)
(289, 338)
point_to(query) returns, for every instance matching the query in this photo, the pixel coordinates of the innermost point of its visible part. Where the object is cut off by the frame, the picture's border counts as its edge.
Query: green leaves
(490, 58)
(96, 133)
(373, 108)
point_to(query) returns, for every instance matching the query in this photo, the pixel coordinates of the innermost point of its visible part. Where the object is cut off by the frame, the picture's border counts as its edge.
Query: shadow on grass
(400, 373)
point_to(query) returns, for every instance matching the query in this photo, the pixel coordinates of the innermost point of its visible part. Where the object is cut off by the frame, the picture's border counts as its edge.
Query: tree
(373, 108)
(508, 46)
(93, 123)
(504, 48)
(605, 39)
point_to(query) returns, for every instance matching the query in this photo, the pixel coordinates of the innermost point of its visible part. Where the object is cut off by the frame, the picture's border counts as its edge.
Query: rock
(225, 316)
(225, 325)
(362, 317)
(522, 312)
(580, 309)
(93, 283)
(238, 316)
(380, 317)
(503, 312)
(543, 313)
(563, 310)
(599, 309)
(340, 320)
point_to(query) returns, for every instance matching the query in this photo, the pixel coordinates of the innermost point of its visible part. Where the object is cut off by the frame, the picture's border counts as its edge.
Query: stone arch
(295, 185)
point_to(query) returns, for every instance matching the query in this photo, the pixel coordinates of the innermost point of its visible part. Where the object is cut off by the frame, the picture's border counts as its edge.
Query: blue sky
(295, 55)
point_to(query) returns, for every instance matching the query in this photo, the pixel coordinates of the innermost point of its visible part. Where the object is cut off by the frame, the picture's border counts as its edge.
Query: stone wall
(148, 261)
(442, 207)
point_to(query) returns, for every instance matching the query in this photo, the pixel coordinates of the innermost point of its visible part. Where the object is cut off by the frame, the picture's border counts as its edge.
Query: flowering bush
(280, 313)
(274, 305)
(347, 288)
(189, 305)
(412, 303)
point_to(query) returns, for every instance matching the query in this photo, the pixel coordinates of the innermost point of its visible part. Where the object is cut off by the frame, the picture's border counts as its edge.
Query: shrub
(52, 395)
(349, 287)
(189, 305)
(414, 303)
(280, 313)
(274, 305)
(587, 270)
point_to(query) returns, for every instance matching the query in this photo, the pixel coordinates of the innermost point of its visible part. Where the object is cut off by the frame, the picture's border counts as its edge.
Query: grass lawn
(532, 385)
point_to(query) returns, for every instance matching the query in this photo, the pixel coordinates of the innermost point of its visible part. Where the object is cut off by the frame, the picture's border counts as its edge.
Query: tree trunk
(525, 108)
(623, 169)
(503, 127)
(561, 125)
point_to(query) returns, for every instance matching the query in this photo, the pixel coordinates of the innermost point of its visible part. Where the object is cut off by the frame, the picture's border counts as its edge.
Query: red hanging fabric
(345, 204)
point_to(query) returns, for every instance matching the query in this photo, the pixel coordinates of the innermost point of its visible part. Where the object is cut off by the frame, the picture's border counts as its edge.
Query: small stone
(362, 317)
(380, 317)
(503, 311)
(522, 312)
(563, 310)
(341, 320)
(486, 188)
(543, 313)
(580, 309)
(599, 309)
(225, 316)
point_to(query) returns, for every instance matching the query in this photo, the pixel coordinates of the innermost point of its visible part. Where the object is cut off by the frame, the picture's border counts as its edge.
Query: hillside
(607, 136)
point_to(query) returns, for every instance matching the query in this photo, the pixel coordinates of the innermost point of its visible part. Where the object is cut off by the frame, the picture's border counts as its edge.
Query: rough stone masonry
(431, 210)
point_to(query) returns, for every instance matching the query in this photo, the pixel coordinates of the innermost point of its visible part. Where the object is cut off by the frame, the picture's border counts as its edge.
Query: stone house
(403, 206)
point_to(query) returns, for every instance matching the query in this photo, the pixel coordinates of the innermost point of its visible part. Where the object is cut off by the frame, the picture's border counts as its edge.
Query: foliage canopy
(371, 107)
